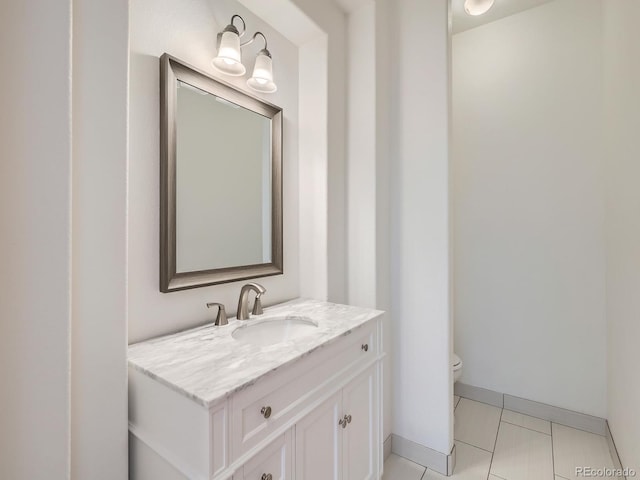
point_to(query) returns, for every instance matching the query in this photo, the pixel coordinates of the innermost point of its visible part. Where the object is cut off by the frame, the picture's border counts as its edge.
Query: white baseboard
(479, 394)
(424, 456)
(559, 415)
(451, 461)
(386, 447)
(532, 408)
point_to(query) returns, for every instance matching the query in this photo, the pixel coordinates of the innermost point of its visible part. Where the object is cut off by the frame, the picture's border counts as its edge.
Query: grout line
(526, 428)
(527, 415)
(609, 436)
(423, 474)
(553, 455)
(481, 403)
(494, 444)
(471, 445)
(498, 476)
(484, 403)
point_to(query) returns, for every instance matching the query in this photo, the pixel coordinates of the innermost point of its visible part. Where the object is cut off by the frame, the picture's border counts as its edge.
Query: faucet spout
(243, 301)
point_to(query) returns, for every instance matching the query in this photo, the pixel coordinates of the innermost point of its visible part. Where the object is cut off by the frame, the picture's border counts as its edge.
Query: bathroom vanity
(293, 393)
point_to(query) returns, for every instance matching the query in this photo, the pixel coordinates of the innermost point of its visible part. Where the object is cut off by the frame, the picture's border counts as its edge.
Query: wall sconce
(477, 7)
(229, 58)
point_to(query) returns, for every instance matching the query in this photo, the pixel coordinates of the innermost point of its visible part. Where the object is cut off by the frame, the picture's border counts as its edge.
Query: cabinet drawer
(273, 462)
(272, 402)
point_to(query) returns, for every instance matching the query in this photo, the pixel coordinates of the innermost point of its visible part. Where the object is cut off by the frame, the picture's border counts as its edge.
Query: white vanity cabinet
(332, 444)
(315, 417)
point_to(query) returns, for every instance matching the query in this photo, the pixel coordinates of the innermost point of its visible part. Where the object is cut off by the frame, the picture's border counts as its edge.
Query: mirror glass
(223, 183)
(220, 181)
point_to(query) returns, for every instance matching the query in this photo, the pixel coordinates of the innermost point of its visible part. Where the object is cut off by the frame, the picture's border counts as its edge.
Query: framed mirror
(220, 181)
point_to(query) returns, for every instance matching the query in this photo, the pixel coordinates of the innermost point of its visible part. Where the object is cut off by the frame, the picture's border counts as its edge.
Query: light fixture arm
(253, 39)
(244, 25)
(232, 28)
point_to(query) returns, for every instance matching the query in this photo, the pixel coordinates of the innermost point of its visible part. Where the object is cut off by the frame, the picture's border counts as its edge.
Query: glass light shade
(477, 7)
(229, 59)
(262, 78)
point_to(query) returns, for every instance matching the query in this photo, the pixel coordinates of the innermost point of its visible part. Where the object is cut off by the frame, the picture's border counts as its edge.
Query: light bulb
(229, 59)
(262, 78)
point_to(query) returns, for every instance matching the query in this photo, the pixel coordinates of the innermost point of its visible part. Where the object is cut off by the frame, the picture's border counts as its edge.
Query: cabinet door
(319, 442)
(273, 462)
(360, 446)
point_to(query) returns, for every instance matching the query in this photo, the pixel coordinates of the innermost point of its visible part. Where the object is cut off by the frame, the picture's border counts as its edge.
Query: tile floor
(497, 444)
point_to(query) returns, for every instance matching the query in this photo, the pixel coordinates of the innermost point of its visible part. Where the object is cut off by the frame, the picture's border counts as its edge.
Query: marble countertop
(207, 364)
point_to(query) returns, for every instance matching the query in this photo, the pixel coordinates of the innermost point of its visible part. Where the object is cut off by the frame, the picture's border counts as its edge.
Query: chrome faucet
(243, 301)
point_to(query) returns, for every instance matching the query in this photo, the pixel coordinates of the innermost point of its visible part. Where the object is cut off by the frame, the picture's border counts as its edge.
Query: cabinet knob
(365, 347)
(344, 421)
(266, 413)
(267, 476)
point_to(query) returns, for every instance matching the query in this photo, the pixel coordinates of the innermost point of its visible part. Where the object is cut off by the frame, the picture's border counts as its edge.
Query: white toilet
(457, 368)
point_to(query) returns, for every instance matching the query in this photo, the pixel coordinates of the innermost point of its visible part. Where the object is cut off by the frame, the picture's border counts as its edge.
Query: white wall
(420, 278)
(63, 174)
(362, 203)
(35, 253)
(189, 34)
(313, 172)
(368, 160)
(383, 198)
(332, 21)
(99, 330)
(529, 205)
(622, 120)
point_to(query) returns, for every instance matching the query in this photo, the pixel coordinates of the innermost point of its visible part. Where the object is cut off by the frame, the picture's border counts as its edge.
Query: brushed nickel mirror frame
(173, 70)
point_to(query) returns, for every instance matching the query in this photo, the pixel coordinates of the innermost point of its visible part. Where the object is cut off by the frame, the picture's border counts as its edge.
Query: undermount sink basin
(274, 330)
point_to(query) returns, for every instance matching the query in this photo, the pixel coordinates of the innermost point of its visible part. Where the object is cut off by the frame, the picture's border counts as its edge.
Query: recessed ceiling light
(477, 7)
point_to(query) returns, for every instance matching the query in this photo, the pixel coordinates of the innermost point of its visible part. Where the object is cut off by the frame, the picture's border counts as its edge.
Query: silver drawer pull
(365, 347)
(267, 476)
(266, 413)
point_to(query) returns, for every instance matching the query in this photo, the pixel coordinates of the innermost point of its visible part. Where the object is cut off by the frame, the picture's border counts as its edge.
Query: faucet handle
(221, 318)
(257, 305)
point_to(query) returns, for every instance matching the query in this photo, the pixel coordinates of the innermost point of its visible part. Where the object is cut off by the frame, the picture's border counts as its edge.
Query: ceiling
(502, 8)
(461, 20)
(350, 5)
